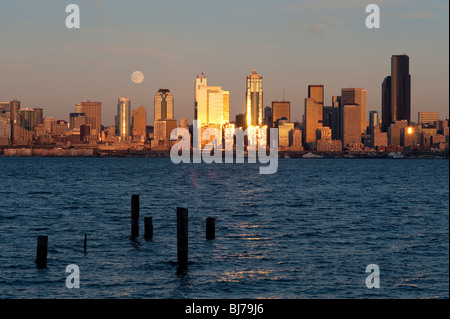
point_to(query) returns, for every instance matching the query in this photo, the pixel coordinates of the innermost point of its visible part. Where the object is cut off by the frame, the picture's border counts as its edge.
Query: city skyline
(95, 62)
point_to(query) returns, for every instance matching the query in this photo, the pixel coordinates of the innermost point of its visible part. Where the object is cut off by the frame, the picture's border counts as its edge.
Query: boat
(311, 155)
(396, 155)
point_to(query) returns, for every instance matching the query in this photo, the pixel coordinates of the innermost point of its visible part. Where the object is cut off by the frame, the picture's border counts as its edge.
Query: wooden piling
(41, 252)
(210, 228)
(148, 227)
(134, 216)
(182, 236)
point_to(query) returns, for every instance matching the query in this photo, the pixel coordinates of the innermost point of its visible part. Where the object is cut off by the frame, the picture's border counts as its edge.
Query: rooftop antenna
(283, 95)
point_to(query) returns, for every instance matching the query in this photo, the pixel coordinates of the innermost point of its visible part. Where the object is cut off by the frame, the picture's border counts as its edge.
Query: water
(308, 231)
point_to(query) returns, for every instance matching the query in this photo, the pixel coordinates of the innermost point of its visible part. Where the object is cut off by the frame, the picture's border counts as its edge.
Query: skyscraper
(200, 81)
(212, 104)
(254, 99)
(139, 121)
(336, 118)
(351, 124)
(280, 110)
(357, 96)
(316, 92)
(164, 102)
(386, 115)
(123, 118)
(396, 92)
(30, 118)
(313, 112)
(93, 112)
(400, 88)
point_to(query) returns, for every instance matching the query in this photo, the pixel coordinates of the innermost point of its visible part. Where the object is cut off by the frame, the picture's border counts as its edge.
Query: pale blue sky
(290, 43)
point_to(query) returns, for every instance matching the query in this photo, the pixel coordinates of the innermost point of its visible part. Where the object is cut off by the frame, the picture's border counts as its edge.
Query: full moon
(137, 77)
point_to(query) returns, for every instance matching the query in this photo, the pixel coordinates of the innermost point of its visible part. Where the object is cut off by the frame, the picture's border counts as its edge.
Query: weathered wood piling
(134, 216)
(41, 252)
(182, 237)
(148, 228)
(210, 228)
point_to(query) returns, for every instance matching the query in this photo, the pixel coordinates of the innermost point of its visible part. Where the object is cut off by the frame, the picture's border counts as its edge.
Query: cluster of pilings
(182, 234)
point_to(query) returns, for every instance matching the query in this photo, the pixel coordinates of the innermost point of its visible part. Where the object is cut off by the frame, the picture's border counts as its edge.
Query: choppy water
(308, 231)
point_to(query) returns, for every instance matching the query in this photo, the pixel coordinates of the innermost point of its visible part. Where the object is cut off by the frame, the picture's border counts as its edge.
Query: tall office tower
(373, 122)
(351, 124)
(76, 120)
(313, 112)
(316, 92)
(268, 116)
(30, 118)
(280, 110)
(357, 96)
(336, 118)
(213, 105)
(163, 105)
(313, 119)
(139, 121)
(386, 115)
(93, 112)
(400, 88)
(254, 99)
(200, 81)
(14, 111)
(123, 118)
(428, 117)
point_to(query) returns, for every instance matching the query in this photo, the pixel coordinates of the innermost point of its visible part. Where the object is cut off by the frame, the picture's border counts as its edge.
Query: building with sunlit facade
(123, 118)
(164, 103)
(254, 99)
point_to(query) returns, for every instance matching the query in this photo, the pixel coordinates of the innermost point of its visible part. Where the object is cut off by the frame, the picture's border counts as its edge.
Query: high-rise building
(200, 81)
(123, 118)
(351, 124)
(280, 110)
(428, 118)
(285, 131)
(139, 121)
(336, 118)
(76, 120)
(316, 92)
(268, 116)
(30, 118)
(93, 112)
(313, 112)
(357, 96)
(386, 115)
(164, 103)
(254, 99)
(212, 104)
(396, 92)
(400, 88)
(373, 121)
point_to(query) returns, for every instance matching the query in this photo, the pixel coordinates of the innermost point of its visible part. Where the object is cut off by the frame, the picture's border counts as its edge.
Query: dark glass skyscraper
(386, 115)
(396, 92)
(400, 88)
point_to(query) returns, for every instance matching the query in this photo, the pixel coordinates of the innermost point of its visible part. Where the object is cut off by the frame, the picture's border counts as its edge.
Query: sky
(292, 44)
